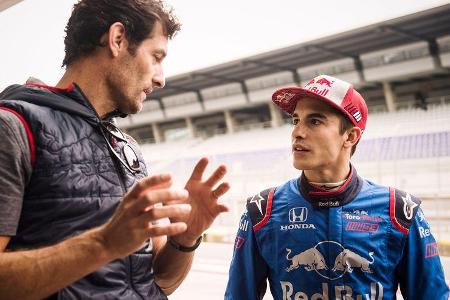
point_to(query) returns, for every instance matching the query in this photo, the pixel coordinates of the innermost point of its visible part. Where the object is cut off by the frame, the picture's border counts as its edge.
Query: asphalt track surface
(208, 277)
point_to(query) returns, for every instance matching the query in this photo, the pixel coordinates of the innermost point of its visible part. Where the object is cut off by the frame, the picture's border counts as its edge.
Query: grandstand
(400, 66)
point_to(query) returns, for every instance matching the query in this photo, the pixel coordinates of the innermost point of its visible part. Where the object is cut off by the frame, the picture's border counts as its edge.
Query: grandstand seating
(407, 134)
(409, 149)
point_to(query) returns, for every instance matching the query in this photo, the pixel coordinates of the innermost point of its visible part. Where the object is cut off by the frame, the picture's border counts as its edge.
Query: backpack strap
(259, 208)
(402, 209)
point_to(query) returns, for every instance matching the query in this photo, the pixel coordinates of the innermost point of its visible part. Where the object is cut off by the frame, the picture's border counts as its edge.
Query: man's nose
(299, 131)
(159, 81)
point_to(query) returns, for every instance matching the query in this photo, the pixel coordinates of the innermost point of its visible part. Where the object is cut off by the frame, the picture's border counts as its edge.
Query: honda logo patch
(298, 214)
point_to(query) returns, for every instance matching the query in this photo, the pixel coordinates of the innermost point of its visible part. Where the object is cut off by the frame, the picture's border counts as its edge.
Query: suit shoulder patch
(402, 209)
(259, 208)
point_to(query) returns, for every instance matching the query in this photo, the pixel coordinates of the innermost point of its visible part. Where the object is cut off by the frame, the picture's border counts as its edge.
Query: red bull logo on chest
(345, 260)
(341, 292)
(331, 261)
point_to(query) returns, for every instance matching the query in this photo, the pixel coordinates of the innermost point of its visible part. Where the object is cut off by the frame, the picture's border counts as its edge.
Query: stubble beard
(122, 94)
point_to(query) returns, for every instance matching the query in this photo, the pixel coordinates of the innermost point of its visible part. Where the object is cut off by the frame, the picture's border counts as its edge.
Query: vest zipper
(130, 279)
(119, 172)
(99, 119)
(122, 184)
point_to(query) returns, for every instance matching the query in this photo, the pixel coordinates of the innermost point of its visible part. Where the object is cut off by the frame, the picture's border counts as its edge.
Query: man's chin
(302, 165)
(135, 110)
(298, 166)
(131, 109)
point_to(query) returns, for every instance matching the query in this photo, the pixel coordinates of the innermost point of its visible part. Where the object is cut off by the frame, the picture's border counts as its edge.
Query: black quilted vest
(76, 184)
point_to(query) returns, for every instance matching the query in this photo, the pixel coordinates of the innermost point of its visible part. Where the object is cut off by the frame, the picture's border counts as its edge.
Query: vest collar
(75, 91)
(70, 99)
(322, 198)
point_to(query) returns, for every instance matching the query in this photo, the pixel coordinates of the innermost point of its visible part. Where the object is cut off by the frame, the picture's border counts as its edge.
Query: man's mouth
(299, 148)
(147, 91)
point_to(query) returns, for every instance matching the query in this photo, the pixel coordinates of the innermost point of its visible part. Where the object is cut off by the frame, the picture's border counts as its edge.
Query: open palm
(203, 198)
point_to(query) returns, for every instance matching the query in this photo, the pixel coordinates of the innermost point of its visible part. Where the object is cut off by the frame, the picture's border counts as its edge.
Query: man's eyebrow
(311, 115)
(316, 115)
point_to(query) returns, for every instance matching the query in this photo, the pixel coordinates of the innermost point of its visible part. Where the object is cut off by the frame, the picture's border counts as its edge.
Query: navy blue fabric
(348, 251)
(76, 185)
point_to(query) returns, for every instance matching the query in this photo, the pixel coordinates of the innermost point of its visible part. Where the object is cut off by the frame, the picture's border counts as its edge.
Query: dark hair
(91, 19)
(346, 124)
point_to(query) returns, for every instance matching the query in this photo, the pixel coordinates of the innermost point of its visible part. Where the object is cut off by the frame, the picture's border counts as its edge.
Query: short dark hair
(346, 124)
(91, 19)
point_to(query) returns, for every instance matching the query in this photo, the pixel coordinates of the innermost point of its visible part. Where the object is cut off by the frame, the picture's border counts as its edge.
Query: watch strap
(182, 248)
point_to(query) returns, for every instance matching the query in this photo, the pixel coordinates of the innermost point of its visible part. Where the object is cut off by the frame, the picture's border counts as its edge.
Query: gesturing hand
(131, 225)
(203, 198)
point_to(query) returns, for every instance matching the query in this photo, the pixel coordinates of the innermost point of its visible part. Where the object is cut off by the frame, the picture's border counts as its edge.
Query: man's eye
(294, 121)
(158, 57)
(315, 122)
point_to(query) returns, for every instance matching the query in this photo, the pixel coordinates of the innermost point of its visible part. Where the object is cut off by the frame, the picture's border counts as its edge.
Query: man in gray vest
(78, 212)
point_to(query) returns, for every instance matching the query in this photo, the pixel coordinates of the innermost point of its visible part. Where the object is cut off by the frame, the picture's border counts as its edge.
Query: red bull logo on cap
(319, 86)
(320, 92)
(324, 81)
(320, 81)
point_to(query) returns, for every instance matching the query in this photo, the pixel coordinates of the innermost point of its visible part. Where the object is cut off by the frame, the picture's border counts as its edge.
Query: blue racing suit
(360, 242)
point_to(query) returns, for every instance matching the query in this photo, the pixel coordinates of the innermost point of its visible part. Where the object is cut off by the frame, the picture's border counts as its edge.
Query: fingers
(179, 211)
(156, 181)
(217, 193)
(221, 208)
(199, 169)
(218, 174)
(162, 185)
(170, 229)
(152, 197)
(220, 190)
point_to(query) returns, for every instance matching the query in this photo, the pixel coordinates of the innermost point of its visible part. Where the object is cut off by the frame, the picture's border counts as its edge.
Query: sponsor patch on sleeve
(243, 223)
(238, 242)
(403, 208)
(259, 208)
(431, 250)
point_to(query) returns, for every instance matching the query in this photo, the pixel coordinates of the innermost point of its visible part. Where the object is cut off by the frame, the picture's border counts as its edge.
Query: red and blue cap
(333, 91)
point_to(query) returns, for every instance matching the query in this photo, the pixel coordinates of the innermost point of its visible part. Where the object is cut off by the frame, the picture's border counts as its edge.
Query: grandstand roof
(421, 26)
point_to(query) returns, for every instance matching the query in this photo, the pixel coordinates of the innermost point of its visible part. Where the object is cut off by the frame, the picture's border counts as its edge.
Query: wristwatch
(182, 248)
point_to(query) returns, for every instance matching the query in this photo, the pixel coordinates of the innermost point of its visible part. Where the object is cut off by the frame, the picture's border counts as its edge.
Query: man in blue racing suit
(331, 234)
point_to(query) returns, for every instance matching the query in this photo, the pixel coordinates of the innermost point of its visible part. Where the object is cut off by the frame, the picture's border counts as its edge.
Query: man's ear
(353, 135)
(115, 39)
